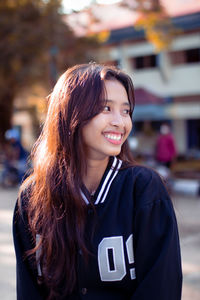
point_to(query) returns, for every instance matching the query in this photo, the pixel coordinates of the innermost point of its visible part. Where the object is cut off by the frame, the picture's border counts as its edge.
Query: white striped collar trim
(106, 180)
(113, 177)
(114, 169)
(84, 198)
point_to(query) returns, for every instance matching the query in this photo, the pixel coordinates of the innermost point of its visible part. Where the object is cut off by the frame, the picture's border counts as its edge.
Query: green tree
(35, 45)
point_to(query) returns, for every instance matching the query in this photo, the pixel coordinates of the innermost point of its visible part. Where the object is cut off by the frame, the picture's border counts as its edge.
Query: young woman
(89, 223)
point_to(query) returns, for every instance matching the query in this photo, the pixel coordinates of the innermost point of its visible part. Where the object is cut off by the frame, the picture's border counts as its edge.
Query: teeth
(113, 137)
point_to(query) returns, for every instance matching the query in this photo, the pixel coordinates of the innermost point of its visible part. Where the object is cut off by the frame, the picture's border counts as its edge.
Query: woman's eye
(106, 108)
(126, 111)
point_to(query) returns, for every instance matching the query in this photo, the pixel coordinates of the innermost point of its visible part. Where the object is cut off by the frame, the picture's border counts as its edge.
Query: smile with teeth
(113, 138)
(116, 137)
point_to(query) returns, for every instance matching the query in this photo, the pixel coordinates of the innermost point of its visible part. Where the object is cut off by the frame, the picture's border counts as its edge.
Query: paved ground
(7, 257)
(187, 210)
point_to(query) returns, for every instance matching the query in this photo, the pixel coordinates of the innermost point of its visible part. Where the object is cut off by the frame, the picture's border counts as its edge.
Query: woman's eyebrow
(124, 103)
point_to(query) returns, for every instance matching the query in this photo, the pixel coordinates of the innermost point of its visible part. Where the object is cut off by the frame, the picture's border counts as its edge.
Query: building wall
(183, 80)
(165, 79)
(179, 129)
(172, 76)
(23, 120)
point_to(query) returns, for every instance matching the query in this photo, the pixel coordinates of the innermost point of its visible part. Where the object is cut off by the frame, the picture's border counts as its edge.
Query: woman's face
(105, 134)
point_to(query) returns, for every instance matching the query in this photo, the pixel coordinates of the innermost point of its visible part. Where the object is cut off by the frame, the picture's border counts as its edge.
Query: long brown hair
(56, 209)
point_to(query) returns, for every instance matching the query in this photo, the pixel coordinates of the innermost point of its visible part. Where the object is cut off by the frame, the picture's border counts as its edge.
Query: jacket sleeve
(27, 287)
(156, 242)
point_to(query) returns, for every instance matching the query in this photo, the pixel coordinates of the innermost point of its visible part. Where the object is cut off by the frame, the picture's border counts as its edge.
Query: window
(143, 62)
(177, 57)
(193, 129)
(185, 56)
(192, 55)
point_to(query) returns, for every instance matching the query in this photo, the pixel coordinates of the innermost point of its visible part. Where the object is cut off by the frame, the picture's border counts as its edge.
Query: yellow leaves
(158, 29)
(14, 3)
(159, 39)
(101, 37)
(10, 4)
(149, 20)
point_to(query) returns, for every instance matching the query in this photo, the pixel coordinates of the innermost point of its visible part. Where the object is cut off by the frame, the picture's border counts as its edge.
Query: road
(187, 212)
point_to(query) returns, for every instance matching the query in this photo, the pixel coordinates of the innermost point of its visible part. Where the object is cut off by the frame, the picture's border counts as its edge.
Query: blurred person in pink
(165, 146)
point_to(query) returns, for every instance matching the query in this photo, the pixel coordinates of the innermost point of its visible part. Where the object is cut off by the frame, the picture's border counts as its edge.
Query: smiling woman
(105, 134)
(90, 223)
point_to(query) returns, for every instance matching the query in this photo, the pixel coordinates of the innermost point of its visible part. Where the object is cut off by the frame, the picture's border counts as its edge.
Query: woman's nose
(117, 120)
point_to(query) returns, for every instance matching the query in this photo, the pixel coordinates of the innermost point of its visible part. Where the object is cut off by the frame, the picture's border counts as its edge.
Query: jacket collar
(109, 175)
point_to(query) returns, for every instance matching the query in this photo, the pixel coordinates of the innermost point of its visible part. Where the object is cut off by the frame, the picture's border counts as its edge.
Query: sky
(79, 4)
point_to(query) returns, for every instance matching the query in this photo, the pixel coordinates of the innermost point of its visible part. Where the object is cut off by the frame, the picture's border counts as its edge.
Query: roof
(114, 17)
(143, 96)
(186, 23)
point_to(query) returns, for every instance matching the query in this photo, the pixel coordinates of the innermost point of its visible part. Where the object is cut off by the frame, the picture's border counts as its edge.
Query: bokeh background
(157, 42)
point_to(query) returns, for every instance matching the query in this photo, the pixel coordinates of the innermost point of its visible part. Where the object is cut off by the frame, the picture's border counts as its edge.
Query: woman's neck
(95, 171)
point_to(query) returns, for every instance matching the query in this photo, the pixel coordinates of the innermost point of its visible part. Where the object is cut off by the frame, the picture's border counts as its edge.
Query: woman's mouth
(114, 138)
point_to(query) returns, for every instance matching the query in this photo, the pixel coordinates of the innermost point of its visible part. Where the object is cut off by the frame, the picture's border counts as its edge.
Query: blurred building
(167, 84)
(172, 79)
(29, 112)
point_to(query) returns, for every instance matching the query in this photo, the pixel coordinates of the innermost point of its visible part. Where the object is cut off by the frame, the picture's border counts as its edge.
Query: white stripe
(37, 238)
(107, 190)
(84, 198)
(106, 180)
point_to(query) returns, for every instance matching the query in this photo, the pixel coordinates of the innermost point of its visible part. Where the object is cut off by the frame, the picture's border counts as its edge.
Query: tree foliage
(35, 45)
(155, 21)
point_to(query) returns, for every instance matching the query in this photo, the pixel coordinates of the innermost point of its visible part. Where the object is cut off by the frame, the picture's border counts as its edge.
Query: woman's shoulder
(145, 174)
(24, 195)
(142, 174)
(148, 186)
